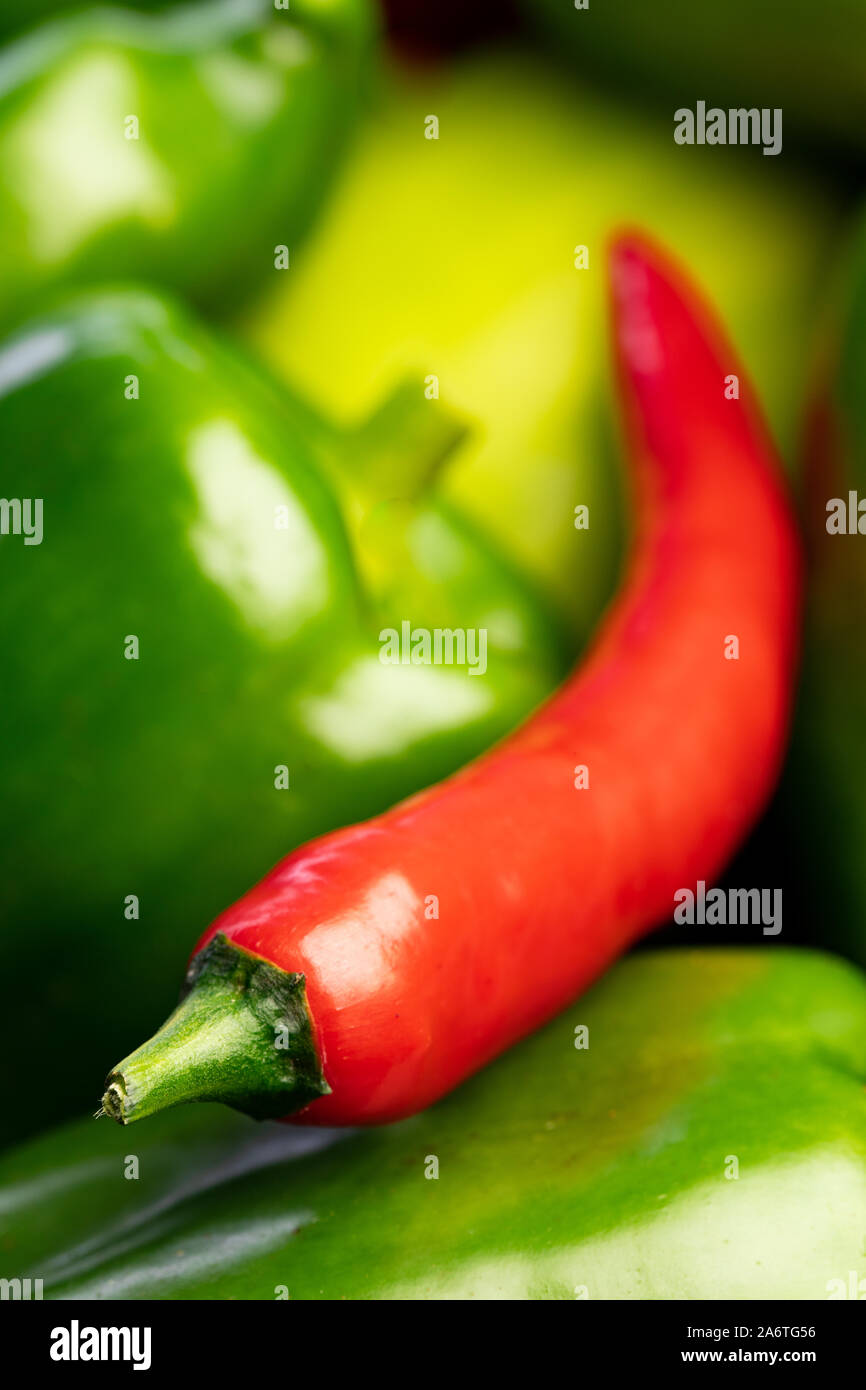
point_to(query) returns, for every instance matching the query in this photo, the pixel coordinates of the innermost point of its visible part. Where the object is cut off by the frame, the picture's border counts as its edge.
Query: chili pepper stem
(241, 1035)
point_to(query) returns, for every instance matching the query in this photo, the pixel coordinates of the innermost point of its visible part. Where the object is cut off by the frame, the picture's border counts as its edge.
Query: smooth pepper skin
(255, 556)
(709, 1142)
(241, 113)
(472, 277)
(825, 801)
(26, 14)
(438, 934)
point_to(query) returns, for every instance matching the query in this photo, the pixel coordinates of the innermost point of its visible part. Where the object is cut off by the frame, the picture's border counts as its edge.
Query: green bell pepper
(743, 53)
(708, 1141)
(196, 622)
(26, 14)
(182, 147)
(471, 278)
(825, 789)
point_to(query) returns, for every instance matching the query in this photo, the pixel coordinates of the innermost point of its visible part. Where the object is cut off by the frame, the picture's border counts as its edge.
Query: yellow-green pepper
(458, 258)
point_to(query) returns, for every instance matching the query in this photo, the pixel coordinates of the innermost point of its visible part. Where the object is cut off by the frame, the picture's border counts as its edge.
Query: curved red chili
(433, 937)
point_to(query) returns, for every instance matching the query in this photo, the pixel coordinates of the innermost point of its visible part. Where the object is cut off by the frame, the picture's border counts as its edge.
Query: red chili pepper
(434, 936)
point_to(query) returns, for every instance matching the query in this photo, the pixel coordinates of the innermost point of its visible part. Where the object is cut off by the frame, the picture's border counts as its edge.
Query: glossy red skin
(540, 885)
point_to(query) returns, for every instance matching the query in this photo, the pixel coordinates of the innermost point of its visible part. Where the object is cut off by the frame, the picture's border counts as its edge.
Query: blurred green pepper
(200, 606)
(471, 278)
(694, 1128)
(793, 54)
(183, 147)
(825, 787)
(16, 15)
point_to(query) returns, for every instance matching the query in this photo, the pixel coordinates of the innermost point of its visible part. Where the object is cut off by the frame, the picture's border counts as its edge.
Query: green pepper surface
(825, 789)
(26, 14)
(183, 147)
(471, 279)
(194, 654)
(695, 1127)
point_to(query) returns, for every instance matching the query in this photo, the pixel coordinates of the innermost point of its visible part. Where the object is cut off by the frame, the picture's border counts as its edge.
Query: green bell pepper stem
(405, 427)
